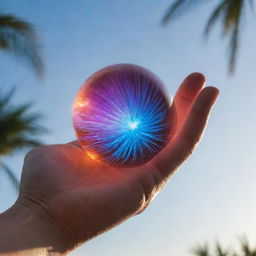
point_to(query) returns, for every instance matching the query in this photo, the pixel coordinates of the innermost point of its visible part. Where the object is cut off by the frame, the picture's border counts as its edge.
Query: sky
(212, 197)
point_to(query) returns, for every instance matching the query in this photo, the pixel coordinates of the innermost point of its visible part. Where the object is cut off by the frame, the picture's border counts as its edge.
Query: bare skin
(67, 198)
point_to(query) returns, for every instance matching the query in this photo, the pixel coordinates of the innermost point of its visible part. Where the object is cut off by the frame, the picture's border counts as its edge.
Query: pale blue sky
(213, 194)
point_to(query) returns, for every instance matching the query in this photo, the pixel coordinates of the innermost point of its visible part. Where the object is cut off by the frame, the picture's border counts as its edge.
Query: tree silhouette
(229, 12)
(201, 250)
(220, 251)
(245, 250)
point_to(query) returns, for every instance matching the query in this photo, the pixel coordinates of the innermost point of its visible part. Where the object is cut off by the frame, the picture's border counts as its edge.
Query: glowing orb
(122, 116)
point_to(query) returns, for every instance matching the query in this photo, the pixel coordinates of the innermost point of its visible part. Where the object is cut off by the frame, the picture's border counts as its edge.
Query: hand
(84, 198)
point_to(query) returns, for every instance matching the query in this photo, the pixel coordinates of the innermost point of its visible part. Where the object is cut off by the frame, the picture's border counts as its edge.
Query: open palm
(87, 198)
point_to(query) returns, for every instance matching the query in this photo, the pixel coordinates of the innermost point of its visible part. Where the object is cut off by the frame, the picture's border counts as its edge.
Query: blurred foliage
(228, 12)
(201, 250)
(20, 38)
(245, 250)
(18, 127)
(18, 130)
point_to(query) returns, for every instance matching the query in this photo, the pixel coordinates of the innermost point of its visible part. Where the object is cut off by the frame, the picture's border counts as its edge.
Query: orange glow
(81, 104)
(93, 156)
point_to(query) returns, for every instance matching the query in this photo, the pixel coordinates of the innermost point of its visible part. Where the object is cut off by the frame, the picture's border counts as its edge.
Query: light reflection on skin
(93, 156)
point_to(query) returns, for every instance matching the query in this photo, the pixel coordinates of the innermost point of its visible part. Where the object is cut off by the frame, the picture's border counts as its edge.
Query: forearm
(24, 232)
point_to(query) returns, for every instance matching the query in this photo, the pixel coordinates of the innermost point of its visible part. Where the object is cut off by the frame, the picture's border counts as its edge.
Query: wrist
(23, 231)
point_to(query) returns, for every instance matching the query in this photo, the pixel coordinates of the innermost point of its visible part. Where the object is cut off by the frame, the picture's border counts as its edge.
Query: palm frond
(178, 8)
(234, 41)
(246, 249)
(214, 17)
(229, 11)
(18, 126)
(10, 175)
(220, 251)
(20, 38)
(201, 250)
(171, 10)
(232, 13)
(232, 24)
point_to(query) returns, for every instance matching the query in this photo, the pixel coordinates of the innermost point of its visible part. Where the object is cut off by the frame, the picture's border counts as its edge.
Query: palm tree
(20, 38)
(230, 12)
(18, 128)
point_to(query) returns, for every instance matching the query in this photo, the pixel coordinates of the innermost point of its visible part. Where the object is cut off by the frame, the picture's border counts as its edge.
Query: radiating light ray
(124, 119)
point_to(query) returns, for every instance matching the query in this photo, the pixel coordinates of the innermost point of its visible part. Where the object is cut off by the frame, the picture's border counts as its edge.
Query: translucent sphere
(121, 115)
